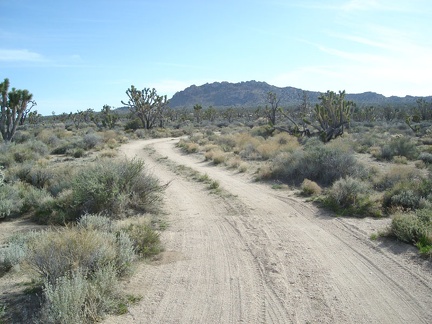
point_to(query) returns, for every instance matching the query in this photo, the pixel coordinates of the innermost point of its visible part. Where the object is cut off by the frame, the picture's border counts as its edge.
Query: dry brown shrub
(310, 188)
(264, 172)
(243, 167)
(233, 162)
(216, 155)
(267, 149)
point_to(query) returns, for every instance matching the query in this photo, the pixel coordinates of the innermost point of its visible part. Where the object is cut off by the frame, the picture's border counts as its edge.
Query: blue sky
(75, 55)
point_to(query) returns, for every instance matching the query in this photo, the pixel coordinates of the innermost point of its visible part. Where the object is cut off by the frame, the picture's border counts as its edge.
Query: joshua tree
(197, 112)
(14, 105)
(146, 104)
(270, 112)
(332, 114)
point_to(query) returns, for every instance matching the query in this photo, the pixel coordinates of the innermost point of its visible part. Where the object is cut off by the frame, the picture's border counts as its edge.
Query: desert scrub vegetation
(414, 228)
(79, 267)
(351, 196)
(319, 162)
(116, 188)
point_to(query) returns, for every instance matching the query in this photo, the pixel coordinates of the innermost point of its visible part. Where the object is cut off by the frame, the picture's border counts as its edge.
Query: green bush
(425, 157)
(112, 187)
(322, 163)
(350, 196)
(76, 298)
(11, 255)
(11, 201)
(400, 146)
(57, 253)
(408, 195)
(91, 141)
(14, 251)
(96, 222)
(413, 227)
(133, 124)
(146, 241)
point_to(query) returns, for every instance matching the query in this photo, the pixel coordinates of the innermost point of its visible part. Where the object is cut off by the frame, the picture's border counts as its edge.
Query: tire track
(261, 257)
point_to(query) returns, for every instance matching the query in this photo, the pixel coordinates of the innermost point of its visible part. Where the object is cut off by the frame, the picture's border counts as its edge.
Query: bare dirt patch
(264, 256)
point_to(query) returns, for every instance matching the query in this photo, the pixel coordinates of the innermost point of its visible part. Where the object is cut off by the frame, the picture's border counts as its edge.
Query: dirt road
(265, 256)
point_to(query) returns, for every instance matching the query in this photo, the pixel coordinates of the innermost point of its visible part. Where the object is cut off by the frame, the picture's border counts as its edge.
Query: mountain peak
(253, 94)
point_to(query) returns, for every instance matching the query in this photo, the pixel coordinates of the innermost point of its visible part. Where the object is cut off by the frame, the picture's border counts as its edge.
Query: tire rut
(261, 257)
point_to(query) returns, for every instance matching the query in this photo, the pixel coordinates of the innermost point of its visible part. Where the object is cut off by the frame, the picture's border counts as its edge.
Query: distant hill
(253, 94)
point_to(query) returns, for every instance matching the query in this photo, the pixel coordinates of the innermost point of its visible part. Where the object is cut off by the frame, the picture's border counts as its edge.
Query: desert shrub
(321, 163)
(408, 195)
(55, 210)
(188, 146)
(111, 187)
(76, 153)
(37, 174)
(21, 136)
(11, 255)
(140, 133)
(226, 142)
(310, 188)
(75, 298)
(57, 253)
(350, 196)
(96, 222)
(11, 201)
(125, 247)
(268, 149)
(133, 124)
(14, 250)
(399, 146)
(425, 157)
(395, 175)
(146, 241)
(32, 197)
(18, 153)
(91, 141)
(126, 252)
(400, 159)
(216, 156)
(243, 167)
(67, 146)
(48, 137)
(413, 227)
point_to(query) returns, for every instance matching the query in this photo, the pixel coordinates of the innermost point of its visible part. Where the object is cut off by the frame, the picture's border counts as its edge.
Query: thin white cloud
(358, 57)
(21, 55)
(364, 5)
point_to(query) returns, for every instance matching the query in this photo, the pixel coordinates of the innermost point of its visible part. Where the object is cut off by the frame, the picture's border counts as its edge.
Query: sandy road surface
(264, 256)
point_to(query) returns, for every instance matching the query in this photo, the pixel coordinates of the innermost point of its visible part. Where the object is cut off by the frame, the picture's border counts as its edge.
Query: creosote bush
(322, 163)
(350, 196)
(113, 187)
(414, 228)
(399, 146)
(145, 240)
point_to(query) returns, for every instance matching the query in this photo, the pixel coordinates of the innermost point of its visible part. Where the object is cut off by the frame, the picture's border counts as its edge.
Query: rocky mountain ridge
(253, 94)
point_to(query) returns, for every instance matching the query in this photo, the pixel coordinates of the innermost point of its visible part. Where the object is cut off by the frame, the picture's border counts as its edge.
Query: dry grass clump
(398, 173)
(310, 188)
(188, 147)
(267, 149)
(217, 156)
